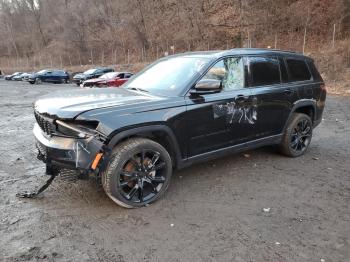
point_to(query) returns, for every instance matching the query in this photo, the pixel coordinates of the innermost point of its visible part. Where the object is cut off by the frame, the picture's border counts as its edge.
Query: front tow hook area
(53, 172)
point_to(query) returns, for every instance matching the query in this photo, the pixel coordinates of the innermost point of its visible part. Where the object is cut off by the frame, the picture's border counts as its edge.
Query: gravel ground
(212, 211)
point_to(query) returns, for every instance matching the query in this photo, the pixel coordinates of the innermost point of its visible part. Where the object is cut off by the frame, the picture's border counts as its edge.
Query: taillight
(323, 87)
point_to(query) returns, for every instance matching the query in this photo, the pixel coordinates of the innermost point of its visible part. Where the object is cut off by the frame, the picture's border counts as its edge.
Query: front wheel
(138, 173)
(38, 81)
(297, 136)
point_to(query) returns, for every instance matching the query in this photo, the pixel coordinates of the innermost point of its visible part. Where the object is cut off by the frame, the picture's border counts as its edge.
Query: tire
(138, 173)
(297, 136)
(38, 81)
(31, 82)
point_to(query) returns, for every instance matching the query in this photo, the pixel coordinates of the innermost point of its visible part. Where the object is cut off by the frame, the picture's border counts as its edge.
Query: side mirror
(206, 86)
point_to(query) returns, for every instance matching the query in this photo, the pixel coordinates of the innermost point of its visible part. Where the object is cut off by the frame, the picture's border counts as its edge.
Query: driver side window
(229, 71)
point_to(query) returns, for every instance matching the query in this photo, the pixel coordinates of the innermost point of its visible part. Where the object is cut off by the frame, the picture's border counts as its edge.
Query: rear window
(264, 71)
(298, 70)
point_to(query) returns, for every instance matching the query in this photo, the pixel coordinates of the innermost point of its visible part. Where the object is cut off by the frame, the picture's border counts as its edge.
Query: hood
(79, 76)
(69, 104)
(95, 80)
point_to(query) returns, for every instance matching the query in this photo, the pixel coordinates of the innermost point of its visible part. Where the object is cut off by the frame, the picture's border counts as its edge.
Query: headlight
(79, 129)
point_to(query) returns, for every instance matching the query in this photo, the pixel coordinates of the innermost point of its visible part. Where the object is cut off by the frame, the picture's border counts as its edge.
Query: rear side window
(298, 70)
(264, 71)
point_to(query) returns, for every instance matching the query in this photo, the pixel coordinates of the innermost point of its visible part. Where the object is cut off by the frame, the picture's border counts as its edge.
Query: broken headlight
(78, 129)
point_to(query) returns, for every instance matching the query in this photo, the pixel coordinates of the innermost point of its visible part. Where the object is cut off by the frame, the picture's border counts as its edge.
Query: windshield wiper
(138, 89)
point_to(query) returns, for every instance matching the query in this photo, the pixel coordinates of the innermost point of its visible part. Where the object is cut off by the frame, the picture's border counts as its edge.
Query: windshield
(168, 77)
(108, 75)
(90, 71)
(41, 71)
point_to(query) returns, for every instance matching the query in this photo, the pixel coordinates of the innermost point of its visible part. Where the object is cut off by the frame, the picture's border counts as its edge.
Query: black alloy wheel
(142, 177)
(297, 136)
(301, 136)
(138, 172)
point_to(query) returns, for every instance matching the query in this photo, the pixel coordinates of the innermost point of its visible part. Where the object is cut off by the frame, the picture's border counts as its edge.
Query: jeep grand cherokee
(180, 110)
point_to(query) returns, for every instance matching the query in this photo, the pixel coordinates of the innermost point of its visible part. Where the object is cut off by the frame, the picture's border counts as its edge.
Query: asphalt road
(212, 211)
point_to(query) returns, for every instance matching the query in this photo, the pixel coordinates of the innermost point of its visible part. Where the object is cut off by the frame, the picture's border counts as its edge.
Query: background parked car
(25, 76)
(53, 76)
(21, 77)
(9, 77)
(17, 77)
(112, 79)
(90, 74)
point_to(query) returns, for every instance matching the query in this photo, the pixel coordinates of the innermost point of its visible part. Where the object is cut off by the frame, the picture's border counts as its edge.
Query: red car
(112, 79)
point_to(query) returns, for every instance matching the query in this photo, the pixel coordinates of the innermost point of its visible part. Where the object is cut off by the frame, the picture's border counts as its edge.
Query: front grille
(46, 124)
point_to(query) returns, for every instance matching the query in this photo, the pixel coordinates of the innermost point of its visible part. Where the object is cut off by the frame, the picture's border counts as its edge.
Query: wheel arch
(305, 106)
(161, 134)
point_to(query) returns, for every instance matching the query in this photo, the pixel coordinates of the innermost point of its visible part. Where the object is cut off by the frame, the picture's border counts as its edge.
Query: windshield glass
(41, 71)
(90, 71)
(108, 75)
(168, 77)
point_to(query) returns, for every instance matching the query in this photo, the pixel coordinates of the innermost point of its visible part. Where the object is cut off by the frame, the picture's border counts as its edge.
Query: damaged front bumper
(61, 152)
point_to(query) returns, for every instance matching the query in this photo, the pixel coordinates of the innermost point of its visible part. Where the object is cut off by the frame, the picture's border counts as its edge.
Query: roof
(243, 51)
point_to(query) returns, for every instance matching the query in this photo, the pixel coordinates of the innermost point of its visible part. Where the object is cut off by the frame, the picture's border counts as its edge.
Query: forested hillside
(72, 32)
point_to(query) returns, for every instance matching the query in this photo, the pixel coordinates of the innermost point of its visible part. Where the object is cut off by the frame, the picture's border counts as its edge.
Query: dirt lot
(211, 212)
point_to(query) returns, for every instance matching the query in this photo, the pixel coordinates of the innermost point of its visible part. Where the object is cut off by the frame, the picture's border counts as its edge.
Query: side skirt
(271, 140)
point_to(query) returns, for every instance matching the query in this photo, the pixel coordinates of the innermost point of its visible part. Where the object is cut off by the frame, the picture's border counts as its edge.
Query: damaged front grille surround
(51, 126)
(46, 124)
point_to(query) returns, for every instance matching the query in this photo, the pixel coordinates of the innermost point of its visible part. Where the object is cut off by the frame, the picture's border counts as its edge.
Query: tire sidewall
(291, 126)
(117, 162)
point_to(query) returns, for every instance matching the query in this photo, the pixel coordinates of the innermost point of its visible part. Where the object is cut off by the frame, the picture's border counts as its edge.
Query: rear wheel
(297, 136)
(138, 173)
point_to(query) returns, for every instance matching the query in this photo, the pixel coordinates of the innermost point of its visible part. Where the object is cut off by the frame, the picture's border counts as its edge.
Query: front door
(216, 121)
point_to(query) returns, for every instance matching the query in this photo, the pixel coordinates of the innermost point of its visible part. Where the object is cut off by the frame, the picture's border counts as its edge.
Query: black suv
(91, 73)
(180, 110)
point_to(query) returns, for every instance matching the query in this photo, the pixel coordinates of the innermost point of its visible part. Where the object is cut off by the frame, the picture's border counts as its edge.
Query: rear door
(56, 76)
(273, 99)
(47, 76)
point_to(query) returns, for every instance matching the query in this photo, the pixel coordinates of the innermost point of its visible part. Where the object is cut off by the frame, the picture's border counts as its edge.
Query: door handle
(288, 91)
(241, 98)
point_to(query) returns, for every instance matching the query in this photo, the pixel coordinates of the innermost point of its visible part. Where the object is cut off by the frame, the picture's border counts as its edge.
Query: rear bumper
(66, 153)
